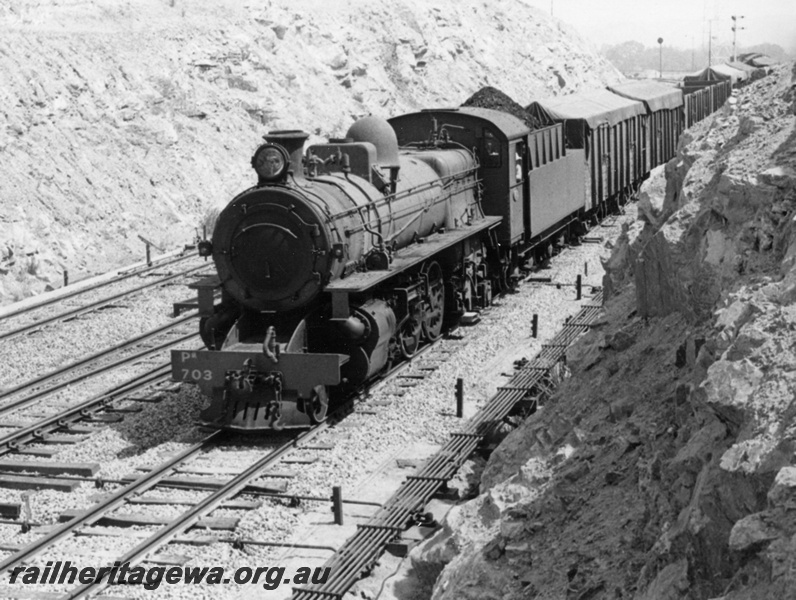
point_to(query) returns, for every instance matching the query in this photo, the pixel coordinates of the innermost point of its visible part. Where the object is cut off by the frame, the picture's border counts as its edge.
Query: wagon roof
(742, 66)
(596, 108)
(717, 73)
(655, 95)
(762, 61)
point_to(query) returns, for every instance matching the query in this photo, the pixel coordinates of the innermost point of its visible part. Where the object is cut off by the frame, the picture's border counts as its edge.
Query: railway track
(94, 365)
(20, 426)
(160, 476)
(68, 420)
(65, 421)
(96, 304)
(191, 517)
(69, 424)
(363, 551)
(359, 554)
(33, 305)
(79, 418)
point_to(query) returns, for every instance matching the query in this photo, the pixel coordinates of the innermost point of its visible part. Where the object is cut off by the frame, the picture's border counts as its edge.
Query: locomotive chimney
(291, 140)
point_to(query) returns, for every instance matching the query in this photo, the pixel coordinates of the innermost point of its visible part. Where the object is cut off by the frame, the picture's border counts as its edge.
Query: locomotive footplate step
(178, 307)
(207, 289)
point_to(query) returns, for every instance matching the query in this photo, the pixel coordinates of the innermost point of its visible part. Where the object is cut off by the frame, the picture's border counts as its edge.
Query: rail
(92, 359)
(196, 512)
(82, 411)
(115, 500)
(61, 294)
(28, 400)
(362, 550)
(94, 305)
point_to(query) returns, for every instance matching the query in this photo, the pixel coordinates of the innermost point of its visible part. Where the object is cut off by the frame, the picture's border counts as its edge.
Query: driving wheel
(434, 304)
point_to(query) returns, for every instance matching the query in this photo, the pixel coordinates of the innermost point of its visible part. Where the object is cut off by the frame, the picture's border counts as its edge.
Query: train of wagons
(346, 257)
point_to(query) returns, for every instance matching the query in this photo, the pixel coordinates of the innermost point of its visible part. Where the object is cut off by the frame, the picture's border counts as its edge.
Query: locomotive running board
(404, 259)
(409, 257)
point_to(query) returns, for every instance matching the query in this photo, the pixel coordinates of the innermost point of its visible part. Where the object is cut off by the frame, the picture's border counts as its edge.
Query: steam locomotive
(346, 258)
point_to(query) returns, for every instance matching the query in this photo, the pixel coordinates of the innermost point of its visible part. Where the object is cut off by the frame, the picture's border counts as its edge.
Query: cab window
(519, 150)
(491, 157)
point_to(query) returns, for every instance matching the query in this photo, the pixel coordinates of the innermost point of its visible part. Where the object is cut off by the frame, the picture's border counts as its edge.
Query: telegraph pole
(660, 58)
(710, 42)
(734, 32)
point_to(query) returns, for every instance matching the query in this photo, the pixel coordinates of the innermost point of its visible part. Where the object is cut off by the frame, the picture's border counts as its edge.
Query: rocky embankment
(128, 119)
(664, 468)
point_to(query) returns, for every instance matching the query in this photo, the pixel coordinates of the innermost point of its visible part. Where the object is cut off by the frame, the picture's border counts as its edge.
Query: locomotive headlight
(270, 161)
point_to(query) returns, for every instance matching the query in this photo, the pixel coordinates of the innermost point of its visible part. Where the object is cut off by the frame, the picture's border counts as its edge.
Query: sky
(681, 23)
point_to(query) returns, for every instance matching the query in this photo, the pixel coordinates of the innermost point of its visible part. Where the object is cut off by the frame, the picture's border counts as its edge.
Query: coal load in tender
(489, 97)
